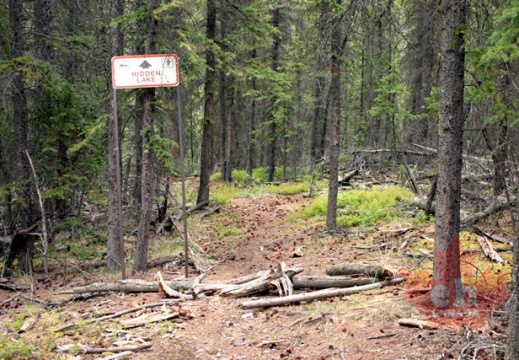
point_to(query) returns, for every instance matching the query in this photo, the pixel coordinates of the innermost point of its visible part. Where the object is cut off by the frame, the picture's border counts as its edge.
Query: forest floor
(243, 237)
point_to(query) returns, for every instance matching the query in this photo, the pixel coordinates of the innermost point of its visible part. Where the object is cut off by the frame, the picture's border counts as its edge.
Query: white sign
(144, 71)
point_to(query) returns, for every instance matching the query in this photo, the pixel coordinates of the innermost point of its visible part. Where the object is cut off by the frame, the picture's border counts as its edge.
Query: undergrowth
(362, 207)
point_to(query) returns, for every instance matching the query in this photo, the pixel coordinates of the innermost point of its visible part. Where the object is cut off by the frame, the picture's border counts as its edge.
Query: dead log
(489, 250)
(279, 278)
(86, 350)
(167, 291)
(112, 316)
(347, 177)
(144, 319)
(422, 324)
(495, 237)
(351, 269)
(321, 294)
(130, 286)
(423, 204)
(500, 203)
(326, 282)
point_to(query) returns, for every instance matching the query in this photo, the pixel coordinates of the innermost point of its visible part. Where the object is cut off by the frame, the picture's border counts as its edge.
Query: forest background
(271, 88)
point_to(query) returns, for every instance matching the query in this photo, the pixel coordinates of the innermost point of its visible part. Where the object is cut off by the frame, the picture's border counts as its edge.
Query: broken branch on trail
(129, 286)
(351, 269)
(326, 282)
(321, 294)
(86, 350)
(118, 314)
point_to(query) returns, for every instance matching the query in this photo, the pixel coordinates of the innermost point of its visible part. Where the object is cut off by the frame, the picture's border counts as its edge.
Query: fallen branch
(489, 250)
(326, 282)
(86, 350)
(422, 324)
(350, 269)
(167, 291)
(130, 286)
(279, 278)
(148, 318)
(322, 294)
(499, 204)
(495, 237)
(118, 314)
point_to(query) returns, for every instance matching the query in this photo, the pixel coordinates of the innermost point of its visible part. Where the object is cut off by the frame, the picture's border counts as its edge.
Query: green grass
(222, 193)
(362, 207)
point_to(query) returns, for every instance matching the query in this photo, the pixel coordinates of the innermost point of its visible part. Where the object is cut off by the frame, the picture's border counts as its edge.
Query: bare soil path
(244, 237)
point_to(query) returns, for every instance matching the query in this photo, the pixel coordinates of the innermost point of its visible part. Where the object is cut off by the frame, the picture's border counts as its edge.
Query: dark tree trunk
(251, 129)
(141, 248)
(21, 164)
(113, 247)
(335, 93)
(512, 346)
(206, 156)
(447, 287)
(318, 121)
(423, 60)
(272, 128)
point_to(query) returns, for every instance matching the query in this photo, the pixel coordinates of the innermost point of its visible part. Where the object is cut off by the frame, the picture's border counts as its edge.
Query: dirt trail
(246, 236)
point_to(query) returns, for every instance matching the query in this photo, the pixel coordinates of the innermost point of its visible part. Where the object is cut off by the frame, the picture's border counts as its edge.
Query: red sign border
(144, 57)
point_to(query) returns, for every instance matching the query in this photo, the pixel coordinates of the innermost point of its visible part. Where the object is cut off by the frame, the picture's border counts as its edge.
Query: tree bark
(18, 98)
(113, 256)
(335, 93)
(251, 127)
(272, 125)
(206, 155)
(316, 151)
(447, 287)
(512, 345)
(141, 248)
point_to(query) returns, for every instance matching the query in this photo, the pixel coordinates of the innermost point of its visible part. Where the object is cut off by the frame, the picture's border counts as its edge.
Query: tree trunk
(316, 150)
(272, 126)
(335, 93)
(512, 346)
(21, 164)
(113, 248)
(251, 127)
(206, 156)
(424, 59)
(141, 248)
(447, 287)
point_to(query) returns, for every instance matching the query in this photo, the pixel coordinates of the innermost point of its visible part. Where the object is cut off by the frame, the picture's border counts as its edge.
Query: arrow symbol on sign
(145, 64)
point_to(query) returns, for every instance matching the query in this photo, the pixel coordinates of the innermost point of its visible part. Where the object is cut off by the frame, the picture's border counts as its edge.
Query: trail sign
(144, 71)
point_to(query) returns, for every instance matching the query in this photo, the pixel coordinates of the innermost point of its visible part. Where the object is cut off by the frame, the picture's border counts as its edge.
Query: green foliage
(17, 349)
(221, 230)
(222, 193)
(362, 207)
(390, 91)
(288, 188)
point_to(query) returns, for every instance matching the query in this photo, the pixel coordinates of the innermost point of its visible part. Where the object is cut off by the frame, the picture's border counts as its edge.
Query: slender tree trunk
(447, 287)
(251, 128)
(272, 128)
(424, 55)
(206, 156)
(21, 165)
(141, 248)
(512, 346)
(335, 93)
(112, 244)
(318, 121)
